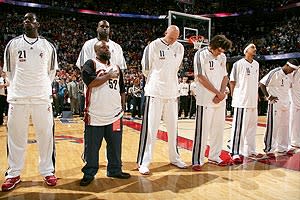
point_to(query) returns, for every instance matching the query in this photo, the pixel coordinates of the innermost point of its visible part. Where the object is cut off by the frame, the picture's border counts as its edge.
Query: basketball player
(275, 86)
(30, 62)
(211, 81)
(87, 52)
(295, 111)
(161, 61)
(104, 119)
(243, 78)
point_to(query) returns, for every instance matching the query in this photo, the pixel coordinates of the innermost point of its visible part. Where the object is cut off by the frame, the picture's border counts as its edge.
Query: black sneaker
(120, 175)
(86, 180)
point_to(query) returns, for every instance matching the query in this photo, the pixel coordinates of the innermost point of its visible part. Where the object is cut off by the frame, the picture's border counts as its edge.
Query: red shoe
(50, 180)
(222, 163)
(256, 156)
(10, 183)
(271, 155)
(291, 152)
(196, 167)
(237, 160)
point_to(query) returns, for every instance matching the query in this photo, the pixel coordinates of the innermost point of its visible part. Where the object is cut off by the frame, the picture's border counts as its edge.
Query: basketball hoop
(197, 40)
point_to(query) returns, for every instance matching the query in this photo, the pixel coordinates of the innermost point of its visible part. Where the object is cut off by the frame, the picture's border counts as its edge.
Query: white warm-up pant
(18, 121)
(243, 131)
(154, 109)
(277, 132)
(295, 126)
(210, 122)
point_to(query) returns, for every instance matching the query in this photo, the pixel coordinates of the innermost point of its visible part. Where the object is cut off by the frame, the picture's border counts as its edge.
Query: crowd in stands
(69, 32)
(161, 7)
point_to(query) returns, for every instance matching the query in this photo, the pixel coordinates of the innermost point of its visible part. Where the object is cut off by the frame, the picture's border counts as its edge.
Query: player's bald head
(100, 44)
(173, 28)
(171, 34)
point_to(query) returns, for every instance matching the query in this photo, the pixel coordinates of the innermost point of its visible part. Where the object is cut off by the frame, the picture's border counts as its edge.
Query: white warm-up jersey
(87, 52)
(245, 75)
(160, 64)
(295, 90)
(30, 64)
(214, 69)
(278, 84)
(103, 103)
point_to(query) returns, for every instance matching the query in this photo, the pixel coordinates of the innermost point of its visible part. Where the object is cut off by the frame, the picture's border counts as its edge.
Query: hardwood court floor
(251, 180)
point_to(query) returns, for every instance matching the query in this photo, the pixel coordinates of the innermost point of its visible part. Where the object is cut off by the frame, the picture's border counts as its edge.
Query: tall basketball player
(211, 81)
(87, 52)
(243, 79)
(161, 61)
(30, 62)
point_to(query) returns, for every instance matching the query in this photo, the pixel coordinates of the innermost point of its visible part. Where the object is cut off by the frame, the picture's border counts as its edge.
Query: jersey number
(211, 65)
(22, 54)
(113, 83)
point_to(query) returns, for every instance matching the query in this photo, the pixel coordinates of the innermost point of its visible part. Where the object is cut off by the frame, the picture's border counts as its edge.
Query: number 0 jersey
(30, 64)
(103, 103)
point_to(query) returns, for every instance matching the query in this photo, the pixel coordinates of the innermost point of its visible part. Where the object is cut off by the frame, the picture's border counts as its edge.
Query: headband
(292, 66)
(247, 47)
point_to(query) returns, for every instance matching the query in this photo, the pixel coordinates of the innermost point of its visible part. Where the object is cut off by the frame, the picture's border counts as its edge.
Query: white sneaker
(180, 164)
(144, 170)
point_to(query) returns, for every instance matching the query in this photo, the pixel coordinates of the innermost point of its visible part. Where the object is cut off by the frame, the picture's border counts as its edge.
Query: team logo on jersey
(162, 55)
(175, 55)
(41, 54)
(248, 71)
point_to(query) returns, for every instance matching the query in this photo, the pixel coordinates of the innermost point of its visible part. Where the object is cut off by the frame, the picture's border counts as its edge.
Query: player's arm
(122, 90)
(146, 60)
(263, 83)
(9, 62)
(233, 78)
(53, 64)
(199, 75)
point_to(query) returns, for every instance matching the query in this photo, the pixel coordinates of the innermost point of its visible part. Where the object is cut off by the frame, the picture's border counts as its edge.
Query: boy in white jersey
(161, 61)
(87, 52)
(30, 62)
(103, 114)
(184, 88)
(243, 82)
(295, 110)
(275, 86)
(211, 81)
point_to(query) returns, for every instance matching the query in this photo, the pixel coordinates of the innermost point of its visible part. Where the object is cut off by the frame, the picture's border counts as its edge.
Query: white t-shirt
(214, 69)
(193, 88)
(295, 90)
(245, 75)
(2, 90)
(30, 65)
(103, 103)
(87, 52)
(184, 89)
(278, 84)
(160, 64)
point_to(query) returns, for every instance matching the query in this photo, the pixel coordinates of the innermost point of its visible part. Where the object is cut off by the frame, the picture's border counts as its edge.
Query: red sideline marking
(258, 124)
(181, 141)
(292, 162)
(288, 162)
